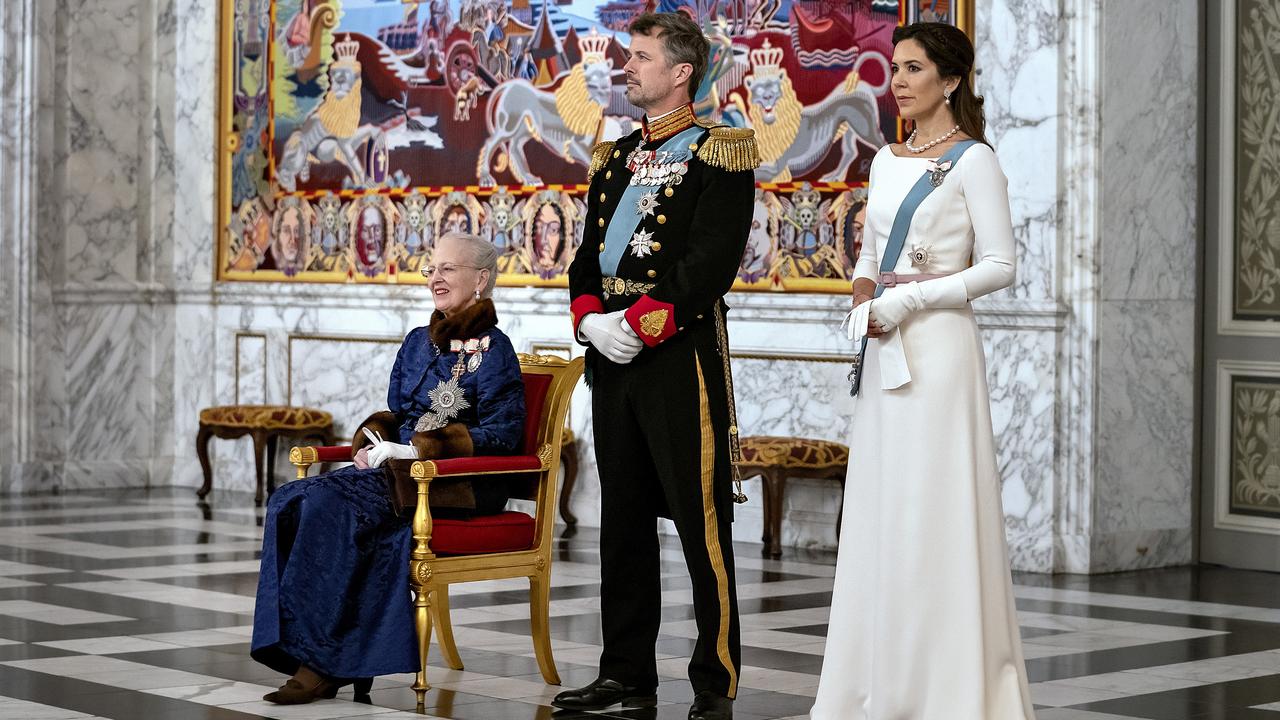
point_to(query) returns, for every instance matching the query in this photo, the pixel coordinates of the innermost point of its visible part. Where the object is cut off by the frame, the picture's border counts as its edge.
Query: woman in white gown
(923, 624)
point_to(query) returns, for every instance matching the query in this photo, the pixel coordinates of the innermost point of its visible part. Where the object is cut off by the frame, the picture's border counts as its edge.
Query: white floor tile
(54, 614)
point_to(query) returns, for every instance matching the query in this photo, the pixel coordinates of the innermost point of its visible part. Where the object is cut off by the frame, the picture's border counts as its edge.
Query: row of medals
(652, 168)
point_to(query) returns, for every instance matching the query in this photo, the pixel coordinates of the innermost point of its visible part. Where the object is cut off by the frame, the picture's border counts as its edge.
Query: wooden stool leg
(840, 514)
(569, 459)
(271, 464)
(775, 480)
(202, 450)
(259, 451)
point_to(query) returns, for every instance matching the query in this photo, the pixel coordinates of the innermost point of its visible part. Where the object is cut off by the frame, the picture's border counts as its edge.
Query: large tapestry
(355, 132)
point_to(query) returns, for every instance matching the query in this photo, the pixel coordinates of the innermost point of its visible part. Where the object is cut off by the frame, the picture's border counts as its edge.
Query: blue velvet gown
(333, 589)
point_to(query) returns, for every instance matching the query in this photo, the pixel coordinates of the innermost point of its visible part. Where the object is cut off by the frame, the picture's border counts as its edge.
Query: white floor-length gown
(923, 625)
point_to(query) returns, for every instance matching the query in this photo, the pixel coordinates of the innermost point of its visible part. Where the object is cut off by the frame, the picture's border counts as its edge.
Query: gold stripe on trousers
(713, 529)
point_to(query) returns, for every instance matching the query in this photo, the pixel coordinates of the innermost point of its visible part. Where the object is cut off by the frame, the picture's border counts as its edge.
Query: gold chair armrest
(303, 458)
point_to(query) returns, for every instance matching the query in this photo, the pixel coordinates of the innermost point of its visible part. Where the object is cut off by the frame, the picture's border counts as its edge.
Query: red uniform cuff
(582, 306)
(652, 321)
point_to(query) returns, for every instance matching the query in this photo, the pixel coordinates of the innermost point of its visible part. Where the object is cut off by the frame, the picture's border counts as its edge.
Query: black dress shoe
(604, 693)
(709, 706)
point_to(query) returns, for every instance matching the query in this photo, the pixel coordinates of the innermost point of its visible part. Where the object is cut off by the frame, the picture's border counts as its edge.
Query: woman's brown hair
(950, 49)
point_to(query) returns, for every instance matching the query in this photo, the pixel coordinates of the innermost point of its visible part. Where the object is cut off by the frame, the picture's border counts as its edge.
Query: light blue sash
(930, 181)
(626, 218)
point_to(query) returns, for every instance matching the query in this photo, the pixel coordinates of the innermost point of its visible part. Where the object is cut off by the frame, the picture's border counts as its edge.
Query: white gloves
(384, 451)
(895, 304)
(610, 334)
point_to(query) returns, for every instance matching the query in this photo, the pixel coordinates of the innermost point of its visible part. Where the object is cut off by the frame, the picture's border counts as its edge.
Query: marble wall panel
(251, 368)
(195, 374)
(195, 93)
(1017, 59)
(105, 107)
(1150, 192)
(1145, 420)
(17, 213)
(1020, 374)
(109, 383)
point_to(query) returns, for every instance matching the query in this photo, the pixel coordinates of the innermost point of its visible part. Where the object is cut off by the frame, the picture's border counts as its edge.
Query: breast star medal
(447, 398)
(938, 172)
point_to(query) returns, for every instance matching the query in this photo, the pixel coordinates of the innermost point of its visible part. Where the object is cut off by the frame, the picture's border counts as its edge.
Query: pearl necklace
(930, 144)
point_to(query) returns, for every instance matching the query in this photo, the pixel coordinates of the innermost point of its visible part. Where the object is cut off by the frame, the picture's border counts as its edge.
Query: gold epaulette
(732, 149)
(599, 156)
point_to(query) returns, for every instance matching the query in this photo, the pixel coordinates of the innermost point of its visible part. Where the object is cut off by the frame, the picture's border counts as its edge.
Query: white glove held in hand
(384, 451)
(611, 336)
(895, 304)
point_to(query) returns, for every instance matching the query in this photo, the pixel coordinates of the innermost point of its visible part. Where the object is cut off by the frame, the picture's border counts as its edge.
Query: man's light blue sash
(626, 218)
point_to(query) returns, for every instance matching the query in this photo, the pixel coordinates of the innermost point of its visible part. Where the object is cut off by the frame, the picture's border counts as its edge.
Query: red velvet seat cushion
(505, 532)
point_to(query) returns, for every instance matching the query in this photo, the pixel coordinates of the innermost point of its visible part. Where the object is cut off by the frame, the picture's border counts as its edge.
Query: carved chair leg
(202, 450)
(539, 611)
(775, 480)
(444, 627)
(422, 625)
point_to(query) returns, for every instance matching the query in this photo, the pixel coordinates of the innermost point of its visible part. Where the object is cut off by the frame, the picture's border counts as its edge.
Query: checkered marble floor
(136, 604)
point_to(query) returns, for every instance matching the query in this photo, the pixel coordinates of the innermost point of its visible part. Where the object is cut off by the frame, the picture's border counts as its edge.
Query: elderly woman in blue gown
(333, 603)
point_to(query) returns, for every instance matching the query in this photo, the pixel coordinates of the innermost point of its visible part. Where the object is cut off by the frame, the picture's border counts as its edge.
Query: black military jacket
(693, 240)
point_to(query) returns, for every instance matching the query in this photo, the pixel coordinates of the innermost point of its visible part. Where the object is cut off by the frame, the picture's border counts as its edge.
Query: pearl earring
(477, 293)
(946, 96)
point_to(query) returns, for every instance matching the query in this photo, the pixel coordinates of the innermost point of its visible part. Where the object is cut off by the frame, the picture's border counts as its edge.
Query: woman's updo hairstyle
(950, 49)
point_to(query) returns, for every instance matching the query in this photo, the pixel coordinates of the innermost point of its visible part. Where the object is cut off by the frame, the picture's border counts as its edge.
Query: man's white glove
(895, 304)
(384, 451)
(610, 334)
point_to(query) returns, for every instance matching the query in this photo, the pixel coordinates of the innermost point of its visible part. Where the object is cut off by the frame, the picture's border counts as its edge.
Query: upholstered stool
(776, 459)
(265, 423)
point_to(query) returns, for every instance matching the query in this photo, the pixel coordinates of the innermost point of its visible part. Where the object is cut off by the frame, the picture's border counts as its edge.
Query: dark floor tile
(495, 710)
(781, 660)
(771, 704)
(814, 630)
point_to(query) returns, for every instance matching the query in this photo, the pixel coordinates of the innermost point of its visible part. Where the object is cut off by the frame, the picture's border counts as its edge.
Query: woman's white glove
(897, 303)
(384, 451)
(611, 336)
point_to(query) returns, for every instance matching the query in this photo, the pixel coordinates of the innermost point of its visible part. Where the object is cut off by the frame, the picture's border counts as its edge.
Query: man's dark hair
(682, 40)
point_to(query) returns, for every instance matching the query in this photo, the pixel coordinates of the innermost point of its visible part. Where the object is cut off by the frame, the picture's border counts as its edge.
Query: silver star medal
(447, 401)
(641, 243)
(647, 203)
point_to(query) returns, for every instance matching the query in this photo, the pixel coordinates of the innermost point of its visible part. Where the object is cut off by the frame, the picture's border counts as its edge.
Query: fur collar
(463, 325)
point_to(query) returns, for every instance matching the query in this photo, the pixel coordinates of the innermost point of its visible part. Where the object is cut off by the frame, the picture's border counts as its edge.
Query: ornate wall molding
(1248, 226)
(1247, 440)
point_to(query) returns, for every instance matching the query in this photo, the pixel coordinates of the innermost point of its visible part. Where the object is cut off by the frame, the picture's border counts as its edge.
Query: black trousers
(661, 439)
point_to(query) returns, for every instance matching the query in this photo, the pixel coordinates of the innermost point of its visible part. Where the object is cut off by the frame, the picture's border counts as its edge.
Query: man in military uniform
(668, 217)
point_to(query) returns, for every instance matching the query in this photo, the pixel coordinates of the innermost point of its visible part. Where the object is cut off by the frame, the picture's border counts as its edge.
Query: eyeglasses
(446, 270)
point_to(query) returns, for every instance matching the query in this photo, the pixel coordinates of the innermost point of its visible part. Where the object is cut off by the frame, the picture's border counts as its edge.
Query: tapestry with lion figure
(355, 132)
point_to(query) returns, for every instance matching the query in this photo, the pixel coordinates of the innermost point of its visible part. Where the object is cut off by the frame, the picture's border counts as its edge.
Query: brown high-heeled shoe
(295, 693)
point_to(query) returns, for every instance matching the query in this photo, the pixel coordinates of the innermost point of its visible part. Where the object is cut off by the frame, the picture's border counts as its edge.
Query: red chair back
(535, 401)
(536, 387)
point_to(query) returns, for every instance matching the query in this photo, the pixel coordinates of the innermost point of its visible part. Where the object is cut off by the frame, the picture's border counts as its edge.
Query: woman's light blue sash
(930, 181)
